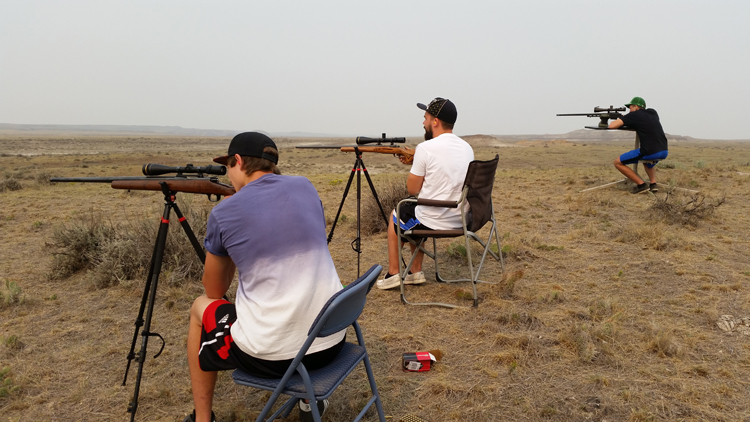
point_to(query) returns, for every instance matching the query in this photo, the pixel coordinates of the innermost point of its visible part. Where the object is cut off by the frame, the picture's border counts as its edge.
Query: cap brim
(422, 106)
(222, 160)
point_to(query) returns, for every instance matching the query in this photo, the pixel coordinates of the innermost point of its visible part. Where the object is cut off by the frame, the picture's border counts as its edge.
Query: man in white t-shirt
(438, 172)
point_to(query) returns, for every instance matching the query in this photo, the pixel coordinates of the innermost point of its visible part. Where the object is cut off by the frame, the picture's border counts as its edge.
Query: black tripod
(359, 168)
(149, 291)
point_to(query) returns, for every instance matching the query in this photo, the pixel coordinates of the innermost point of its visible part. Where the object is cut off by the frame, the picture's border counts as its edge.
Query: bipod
(358, 168)
(149, 291)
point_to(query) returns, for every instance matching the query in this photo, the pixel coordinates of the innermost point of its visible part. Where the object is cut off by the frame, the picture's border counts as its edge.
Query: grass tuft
(10, 184)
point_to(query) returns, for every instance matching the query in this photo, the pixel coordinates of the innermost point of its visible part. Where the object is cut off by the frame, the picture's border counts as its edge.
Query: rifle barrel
(110, 179)
(325, 146)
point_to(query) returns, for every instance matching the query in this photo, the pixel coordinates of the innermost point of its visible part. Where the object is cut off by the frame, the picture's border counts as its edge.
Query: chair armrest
(437, 203)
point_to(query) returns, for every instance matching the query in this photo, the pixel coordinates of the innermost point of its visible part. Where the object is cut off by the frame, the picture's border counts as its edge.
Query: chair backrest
(480, 178)
(344, 307)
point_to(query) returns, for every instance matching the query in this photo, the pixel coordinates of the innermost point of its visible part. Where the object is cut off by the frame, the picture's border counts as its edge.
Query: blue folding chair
(341, 311)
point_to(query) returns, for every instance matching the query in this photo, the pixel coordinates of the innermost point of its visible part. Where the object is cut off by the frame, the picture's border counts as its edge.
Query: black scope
(362, 140)
(598, 109)
(159, 169)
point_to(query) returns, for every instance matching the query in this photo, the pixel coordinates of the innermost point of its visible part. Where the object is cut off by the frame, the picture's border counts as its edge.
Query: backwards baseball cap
(249, 144)
(442, 108)
(637, 101)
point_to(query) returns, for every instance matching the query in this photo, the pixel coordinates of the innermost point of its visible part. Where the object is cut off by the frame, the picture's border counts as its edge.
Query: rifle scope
(598, 109)
(362, 140)
(159, 169)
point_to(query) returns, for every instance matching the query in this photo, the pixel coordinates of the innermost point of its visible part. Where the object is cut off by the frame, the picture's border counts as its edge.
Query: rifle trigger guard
(215, 198)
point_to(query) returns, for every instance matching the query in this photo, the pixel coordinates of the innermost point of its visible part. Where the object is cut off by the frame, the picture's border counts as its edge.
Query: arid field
(612, 306)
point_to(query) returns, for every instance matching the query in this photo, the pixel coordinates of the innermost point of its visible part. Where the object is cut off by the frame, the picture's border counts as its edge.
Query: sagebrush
(113, 251)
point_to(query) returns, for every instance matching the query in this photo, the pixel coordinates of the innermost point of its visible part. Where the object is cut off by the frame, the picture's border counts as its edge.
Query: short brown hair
(446, 125)
(252, 164)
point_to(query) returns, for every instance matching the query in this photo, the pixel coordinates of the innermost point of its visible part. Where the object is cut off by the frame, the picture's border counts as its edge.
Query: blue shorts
(635, 156)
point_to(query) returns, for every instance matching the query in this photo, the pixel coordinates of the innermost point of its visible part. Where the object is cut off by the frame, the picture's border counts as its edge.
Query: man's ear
(238, 158)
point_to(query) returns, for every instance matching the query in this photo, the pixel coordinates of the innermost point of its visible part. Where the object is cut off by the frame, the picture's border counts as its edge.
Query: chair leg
(471, 269)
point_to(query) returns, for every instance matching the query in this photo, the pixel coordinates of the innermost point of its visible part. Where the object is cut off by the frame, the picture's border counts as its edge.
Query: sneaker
(389, 282)
(643, 187)
(653, 188)
(305, 411)
(415, 278)
(191, 417)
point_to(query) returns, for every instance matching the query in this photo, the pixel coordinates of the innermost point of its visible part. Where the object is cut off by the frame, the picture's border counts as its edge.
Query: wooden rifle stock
(407, 153)
(207, 186)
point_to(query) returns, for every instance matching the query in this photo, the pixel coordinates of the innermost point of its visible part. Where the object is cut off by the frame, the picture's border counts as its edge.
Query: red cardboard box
(417, 362)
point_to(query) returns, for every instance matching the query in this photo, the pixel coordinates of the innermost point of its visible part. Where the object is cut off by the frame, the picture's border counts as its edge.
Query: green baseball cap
(640, 102)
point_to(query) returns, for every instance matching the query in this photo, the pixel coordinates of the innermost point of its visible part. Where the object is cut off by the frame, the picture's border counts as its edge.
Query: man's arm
(616, 124)
(414, 184)
(218, 273)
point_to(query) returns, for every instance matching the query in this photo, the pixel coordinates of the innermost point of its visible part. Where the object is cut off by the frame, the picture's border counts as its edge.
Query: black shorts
(218, 352)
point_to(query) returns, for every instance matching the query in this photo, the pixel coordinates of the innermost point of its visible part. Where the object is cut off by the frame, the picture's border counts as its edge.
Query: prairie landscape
(612, 306)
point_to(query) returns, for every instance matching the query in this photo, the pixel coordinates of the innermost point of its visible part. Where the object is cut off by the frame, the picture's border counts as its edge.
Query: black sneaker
(643, 187)
(653, 188)
(305, 411)
(191, 417)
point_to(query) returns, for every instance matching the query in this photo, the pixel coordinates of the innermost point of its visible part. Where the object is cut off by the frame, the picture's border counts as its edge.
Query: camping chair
(341, 311)
(477, 191)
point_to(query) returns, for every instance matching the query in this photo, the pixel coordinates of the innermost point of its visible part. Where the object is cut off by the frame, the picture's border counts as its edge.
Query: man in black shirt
(653, 143)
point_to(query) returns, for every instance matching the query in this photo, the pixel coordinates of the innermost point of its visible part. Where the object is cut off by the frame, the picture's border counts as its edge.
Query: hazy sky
(358, 68)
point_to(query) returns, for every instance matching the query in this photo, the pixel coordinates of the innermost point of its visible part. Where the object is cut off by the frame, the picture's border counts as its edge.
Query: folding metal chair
(341, 311)
(477, 192)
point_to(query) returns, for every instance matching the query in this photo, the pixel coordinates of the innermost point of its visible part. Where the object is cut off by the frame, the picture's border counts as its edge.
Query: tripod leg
(375, 194)
(358, 240)
(189, 232)
(140, 357)
(343, 198)
(377, 201)
(139, 319)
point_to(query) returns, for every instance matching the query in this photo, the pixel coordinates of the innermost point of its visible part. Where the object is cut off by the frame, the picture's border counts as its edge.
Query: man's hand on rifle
(407, 159)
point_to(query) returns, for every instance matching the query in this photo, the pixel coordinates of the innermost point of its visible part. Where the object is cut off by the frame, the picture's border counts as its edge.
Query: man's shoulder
(442, 140)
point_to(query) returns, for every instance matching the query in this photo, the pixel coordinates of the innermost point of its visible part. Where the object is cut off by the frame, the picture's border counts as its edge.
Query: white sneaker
(389, 283)
(415, 278)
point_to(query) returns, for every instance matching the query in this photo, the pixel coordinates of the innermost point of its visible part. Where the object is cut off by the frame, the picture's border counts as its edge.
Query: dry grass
(607, 310)
(390, 191)
(119, 250)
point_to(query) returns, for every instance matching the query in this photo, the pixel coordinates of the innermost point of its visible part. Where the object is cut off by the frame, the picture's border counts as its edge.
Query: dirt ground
(608, 308)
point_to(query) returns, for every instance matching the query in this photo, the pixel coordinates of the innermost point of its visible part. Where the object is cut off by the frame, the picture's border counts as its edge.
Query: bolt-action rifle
(188, 179)
(604, 115)
(407, 153)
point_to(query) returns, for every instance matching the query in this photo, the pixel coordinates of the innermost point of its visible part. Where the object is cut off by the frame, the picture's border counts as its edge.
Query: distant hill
(581, 135)
(9, 128)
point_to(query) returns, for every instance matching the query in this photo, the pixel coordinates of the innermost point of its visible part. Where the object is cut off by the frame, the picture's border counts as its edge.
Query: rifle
(604, 115)
(189, 179)
(209, 186)
(407, 153)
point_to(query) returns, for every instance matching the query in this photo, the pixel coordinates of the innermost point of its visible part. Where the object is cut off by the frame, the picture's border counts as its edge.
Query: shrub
(10, 184)
(115, 251)
(685, 209)
(390, 191)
